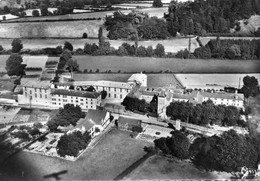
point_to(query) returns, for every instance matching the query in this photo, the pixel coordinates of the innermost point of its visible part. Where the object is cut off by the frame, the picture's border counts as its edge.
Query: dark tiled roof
(125, 120)
(86, 94)
(96, 116)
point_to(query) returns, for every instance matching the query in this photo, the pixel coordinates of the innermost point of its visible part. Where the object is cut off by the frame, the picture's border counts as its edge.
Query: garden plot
(47, 146)
(7, 115)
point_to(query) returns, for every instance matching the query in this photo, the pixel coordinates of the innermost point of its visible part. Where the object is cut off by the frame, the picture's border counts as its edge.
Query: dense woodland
(188, 18)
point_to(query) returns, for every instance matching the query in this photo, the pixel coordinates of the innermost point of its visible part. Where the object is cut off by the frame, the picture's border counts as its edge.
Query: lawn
(148, 64)
(162, 168)
(111, 156)
(222, 80)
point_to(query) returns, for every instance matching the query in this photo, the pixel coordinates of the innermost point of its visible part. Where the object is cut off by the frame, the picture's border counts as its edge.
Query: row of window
(35, 90)
(115, 89)
(40, 96)
(109, 95)
(81, 104)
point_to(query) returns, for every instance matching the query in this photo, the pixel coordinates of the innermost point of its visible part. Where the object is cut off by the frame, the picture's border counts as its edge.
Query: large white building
(42, 94)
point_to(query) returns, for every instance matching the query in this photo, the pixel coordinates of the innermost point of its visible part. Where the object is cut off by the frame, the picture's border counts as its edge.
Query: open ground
(111, 156)
(148, 64)
(162, 168)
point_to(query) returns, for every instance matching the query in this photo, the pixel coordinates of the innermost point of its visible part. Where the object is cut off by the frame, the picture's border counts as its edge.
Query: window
(77, 101)
(115, 89)
(108, 94)
(120, 89)
(86, 106)
(35, 89)
(40, 95)
(40, 90)
(64, 96)
(59, 99)
(25, 94)
(45, 96)
(30, 92)
(91, 103)
(54, 103)
(121, 96)
(81, 99)
(115, 96)
(35, 95)
(81, 104)
(64, 100)
(53, 99)
(109, 89)
(45, 91)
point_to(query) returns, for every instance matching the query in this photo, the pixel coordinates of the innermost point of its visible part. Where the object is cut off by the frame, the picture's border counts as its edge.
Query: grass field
(222, 80)
(112, 155)
(147, 64)
(50, 29)
(162, 168)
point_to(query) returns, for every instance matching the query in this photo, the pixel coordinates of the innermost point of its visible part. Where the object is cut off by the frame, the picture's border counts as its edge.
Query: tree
(141, 51)
(250, 87)
(91, 89)
(202, 52)
(35, 13)
(103, 94)
(178, 144)
(44, 11)
(72, 66)
(157, 3)
(159, 50)
(68, 46)
(16, 45)
(87, 49)
(225, 153)
(1, 48)
(14, 65)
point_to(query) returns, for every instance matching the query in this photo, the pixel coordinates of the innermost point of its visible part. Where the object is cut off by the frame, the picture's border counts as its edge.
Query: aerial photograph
(129, 90)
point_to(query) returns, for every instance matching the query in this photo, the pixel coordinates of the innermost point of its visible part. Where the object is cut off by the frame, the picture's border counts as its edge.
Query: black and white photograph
(129, 90)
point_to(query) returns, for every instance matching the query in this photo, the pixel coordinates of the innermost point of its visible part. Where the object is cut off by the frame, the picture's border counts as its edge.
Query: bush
(149, 51)
(137, 129)
(202, 52)
(129, 48)
(35, 13)
(183, 54)
(85, 35)
(68, 45)
(157, 3)
(87, 48)
(121, 51)
(159, 50)
(141, 51)
(16, 45)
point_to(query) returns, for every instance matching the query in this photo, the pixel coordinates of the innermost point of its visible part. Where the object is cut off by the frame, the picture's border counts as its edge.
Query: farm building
(95, 122)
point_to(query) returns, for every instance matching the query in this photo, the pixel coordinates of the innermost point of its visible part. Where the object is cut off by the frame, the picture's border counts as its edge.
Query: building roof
(75, 93)
(36, 84)
(96, 116)
(137, 77)
(126, 120)
(86, 123)
(223, 95)
(113, 84)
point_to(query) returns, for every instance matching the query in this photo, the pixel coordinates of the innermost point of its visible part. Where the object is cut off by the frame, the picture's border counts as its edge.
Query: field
(112, 155)
(162, 168)
(50, 29)
(221, 80)
(147, 64)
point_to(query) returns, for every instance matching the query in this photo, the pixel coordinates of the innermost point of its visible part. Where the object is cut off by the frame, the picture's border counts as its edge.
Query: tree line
(227, 152)
(188, 18)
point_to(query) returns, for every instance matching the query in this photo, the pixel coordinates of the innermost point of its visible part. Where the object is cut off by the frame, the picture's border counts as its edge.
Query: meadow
(111, 156)
(173, 65)
(220, 80)
(162, 168)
